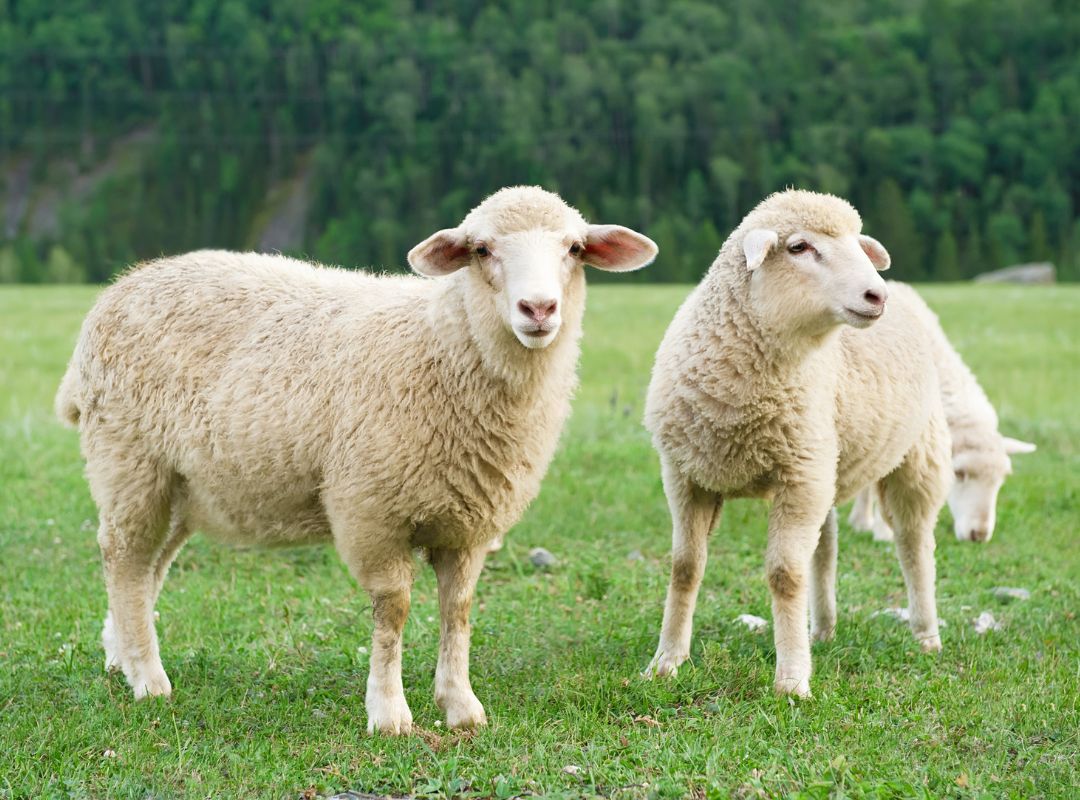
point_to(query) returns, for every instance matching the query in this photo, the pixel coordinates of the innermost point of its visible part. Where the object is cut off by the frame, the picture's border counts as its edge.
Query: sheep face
(528, 247)
(813, 281)
(979, 476)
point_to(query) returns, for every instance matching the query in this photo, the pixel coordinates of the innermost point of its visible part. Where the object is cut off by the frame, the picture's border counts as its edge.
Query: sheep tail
(67, 397)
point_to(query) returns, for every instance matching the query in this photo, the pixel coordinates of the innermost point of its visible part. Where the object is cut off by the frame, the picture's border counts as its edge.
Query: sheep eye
(576, 249)
(482, 250)
(798, 247)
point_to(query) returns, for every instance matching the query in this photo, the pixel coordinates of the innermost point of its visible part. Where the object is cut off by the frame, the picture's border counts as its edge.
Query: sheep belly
(251, 516)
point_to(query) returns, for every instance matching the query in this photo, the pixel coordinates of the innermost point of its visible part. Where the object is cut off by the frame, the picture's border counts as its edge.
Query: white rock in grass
(541, 558)
(1007, 593)
(571, 769)
(986, 622)
(900, 615)
(754, 624)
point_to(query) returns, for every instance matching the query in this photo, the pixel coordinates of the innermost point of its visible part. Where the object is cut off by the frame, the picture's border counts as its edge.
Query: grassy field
(267, 651)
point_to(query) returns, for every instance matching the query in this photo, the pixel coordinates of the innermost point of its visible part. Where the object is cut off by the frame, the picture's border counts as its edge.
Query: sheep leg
(823, 583)
(457, 572)
(861, 517)
(174, 540)
(380, 559)
(694, 514)
(794, 532)
(911, 497)
(134, 512)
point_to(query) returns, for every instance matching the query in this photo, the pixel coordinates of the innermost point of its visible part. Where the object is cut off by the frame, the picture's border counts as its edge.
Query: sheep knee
(785, 582)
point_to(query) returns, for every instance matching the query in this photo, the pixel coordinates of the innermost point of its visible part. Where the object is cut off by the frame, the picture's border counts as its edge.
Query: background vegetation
(348, 131)
(268, 650)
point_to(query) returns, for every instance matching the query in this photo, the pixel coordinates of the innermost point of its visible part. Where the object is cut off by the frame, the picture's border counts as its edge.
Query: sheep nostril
(873, 298)
(538, 311)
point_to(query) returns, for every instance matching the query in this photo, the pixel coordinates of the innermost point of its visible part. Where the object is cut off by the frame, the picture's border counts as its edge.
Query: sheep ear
(440, 254)
(618, 249)
(756, 245)
(876, 252)
(1015, 446)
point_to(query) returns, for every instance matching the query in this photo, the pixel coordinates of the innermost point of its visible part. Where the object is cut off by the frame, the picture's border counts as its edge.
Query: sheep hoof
(389, 715)
(795, 687)
(824, 634)
(152, 682)
(464, 711)
(664, 664)
(930, 644)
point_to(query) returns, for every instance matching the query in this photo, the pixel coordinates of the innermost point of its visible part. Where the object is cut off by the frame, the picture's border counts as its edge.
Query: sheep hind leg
(823, 583)
(911, 498)
(861, 517)
(694, 514)
(131, 532)
(457, 572)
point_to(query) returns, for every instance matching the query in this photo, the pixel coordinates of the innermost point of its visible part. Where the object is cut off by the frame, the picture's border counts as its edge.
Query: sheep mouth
(863, 318)
(537, 333)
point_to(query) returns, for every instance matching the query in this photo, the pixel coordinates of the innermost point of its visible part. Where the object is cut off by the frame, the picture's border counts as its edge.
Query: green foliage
(267, 650)
(930, 115)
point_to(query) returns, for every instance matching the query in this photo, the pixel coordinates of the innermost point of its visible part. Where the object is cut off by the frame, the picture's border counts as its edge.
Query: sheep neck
(499, 354)
(765, 351)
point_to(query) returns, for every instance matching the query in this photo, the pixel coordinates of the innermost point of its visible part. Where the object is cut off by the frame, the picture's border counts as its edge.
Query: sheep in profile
(268, 401)
(980, 454)
(783, 377)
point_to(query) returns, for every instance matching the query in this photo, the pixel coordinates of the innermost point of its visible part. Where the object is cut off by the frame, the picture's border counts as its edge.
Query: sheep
(782, 377)
(267, 401)
(980, 455)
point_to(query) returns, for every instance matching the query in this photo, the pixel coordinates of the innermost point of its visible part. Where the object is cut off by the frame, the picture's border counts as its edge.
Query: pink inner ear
(447, 252)
(616, 249)
(601, 250)
(877, 254)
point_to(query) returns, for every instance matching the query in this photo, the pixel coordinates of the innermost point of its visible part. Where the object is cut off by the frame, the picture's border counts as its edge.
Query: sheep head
(528, 246)
(810, 266)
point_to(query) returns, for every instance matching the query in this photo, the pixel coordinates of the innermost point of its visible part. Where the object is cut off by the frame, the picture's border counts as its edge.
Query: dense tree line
(951, 124)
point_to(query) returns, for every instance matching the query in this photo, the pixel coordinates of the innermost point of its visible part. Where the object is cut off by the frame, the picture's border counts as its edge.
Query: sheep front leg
(381, 561)
(794, 532)
(387, 709)
(457, 572)
(823, 585)
(694, 513)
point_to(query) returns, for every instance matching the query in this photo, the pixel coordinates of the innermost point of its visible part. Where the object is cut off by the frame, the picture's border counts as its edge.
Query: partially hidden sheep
(268, 401)
(980, 454)
(783, 377)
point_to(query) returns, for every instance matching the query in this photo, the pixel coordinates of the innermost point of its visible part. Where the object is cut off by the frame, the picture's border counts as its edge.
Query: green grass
(267, 651)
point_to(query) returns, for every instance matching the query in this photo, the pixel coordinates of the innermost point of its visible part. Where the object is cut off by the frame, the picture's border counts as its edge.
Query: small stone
(754, 624)
(985, 622)
(1009, 593)
(635, 555)
(571, 769)
(541, 558)
(109, 753)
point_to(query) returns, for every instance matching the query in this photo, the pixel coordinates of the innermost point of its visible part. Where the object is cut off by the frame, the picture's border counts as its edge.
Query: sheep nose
(875, 297)
(538, 310)
(979, 534)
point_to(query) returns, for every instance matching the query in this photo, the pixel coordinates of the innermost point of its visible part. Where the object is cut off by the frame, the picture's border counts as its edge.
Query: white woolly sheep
(980, 454)
(268, 401)
(762, 387)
